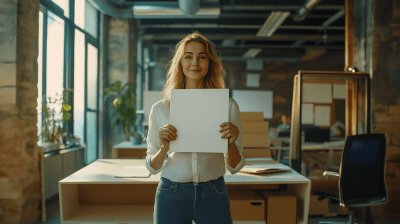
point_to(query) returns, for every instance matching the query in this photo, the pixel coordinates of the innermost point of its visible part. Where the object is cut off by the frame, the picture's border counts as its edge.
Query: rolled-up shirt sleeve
(234, 118)
(153, 142)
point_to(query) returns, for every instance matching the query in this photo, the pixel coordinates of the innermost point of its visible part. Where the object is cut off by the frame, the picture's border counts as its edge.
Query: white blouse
(190, 166)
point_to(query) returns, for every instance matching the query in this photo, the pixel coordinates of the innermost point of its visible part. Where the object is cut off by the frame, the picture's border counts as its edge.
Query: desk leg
(302, 192)
(279, 155)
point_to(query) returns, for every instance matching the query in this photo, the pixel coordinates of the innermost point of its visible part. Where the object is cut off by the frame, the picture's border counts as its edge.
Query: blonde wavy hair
(214, 78)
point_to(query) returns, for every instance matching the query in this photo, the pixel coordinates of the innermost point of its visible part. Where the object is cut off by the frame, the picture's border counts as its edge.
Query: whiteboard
(254, 101)
(322, 116)
(317, 93)
(197, 115)
(307, 113)
(149, 99)
(339, 91)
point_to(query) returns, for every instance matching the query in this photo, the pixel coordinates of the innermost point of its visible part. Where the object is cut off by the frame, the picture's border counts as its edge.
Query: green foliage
(124, 105)
(52, 123)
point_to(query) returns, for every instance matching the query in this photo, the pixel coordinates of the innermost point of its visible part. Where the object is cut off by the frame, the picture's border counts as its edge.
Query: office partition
(357, 113)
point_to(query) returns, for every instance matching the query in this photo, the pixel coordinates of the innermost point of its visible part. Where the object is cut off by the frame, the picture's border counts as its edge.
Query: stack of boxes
(255, 138)
(271, 207)
(280, 207)
(247, 206)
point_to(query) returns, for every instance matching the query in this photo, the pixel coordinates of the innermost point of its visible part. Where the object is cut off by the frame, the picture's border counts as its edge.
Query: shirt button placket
(194, 168)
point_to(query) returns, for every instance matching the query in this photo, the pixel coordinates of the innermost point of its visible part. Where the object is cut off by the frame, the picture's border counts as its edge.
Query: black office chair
(361, 174)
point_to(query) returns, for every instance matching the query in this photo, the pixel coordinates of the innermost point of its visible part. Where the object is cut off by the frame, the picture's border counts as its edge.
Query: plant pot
(136, 139)
(49, 146)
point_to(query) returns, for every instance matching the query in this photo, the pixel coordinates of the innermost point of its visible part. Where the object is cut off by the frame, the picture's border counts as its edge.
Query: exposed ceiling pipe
(156, 10)
(189, 7)
(105, 7)
(305, 10)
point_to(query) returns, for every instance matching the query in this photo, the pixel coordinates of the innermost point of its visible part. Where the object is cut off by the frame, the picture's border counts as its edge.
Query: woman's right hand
(167, 134)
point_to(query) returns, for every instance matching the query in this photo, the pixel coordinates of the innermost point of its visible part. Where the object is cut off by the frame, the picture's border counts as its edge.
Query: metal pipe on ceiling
(189, 7)
(105, 7)
(305, 9)
(192, 9)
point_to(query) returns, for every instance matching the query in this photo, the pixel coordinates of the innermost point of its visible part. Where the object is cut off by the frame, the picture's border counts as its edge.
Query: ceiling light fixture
(272, 24)
(229, 42)
(252, 52)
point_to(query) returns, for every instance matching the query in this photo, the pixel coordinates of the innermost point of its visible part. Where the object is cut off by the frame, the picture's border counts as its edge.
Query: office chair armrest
(330, 173)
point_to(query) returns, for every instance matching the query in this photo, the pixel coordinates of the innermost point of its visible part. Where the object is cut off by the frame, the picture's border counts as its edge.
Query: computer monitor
(317, 135)
(308, 126)
(284, 133)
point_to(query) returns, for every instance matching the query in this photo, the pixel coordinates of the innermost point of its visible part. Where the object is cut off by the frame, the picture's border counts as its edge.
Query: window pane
(92, 77)
(91, 137)
(79, 84)
(91, 19)
(64, 4)
(55, 59)
(39, 85)
(80, 13)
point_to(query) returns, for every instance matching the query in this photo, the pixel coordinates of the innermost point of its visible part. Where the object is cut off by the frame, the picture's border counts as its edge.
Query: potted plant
(53, 121)
(123, 111)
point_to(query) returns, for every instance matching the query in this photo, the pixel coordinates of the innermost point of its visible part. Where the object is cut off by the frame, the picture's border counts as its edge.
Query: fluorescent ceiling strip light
(272, 23)
(252, 52)
(228, 42)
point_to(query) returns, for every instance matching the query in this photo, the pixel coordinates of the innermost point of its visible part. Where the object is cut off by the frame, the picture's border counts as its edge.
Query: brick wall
(377, 50)
(20, 183)
(120, 58)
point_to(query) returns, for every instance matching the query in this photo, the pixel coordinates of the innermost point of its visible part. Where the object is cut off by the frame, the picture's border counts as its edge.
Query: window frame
(69, 58)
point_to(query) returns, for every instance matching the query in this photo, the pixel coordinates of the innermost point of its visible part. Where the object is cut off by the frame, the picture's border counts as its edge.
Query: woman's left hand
(229, 131)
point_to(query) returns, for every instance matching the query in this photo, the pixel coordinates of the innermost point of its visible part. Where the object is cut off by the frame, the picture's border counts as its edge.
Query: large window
(68, 38)
(79, 84)
(40, 65)
(55, 58)
(64, 5)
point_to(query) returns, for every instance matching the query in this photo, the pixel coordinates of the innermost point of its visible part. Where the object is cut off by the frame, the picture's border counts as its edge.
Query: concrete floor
(53, 215)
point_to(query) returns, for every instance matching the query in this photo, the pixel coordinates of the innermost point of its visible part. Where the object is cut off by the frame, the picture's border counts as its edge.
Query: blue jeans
(180, 203)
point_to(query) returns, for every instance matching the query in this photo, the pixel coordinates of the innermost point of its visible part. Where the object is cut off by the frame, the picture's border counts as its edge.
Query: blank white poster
(254, 101)
(317, 93)
(322, 116)
(149, 99)
(197, 115)
(339, 91)
(307, 113)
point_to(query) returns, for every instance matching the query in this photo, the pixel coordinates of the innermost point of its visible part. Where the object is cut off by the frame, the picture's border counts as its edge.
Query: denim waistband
(221, 178)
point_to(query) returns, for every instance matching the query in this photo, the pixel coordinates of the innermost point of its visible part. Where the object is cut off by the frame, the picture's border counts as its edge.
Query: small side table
(125, 150)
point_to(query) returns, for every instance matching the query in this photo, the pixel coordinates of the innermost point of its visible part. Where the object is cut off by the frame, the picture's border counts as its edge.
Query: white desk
(94, 195)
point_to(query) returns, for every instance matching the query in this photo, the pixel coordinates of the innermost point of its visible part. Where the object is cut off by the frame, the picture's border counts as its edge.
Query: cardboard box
(318, 207)
(256, 153)
(255, 141)
(280, 207)
(246, 205)
(252, 116)
(325, 207)
(255, 127)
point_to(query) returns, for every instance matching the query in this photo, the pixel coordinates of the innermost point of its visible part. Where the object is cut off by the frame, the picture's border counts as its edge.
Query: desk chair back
(362, 171)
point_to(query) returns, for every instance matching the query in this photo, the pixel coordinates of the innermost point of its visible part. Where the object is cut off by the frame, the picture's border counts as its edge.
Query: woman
(192, 185)
(285, 126)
